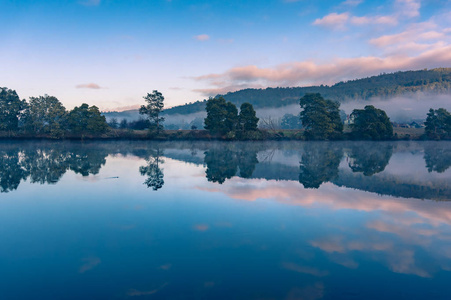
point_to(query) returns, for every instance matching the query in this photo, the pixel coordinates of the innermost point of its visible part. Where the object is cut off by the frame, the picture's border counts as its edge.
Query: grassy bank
(200, 135)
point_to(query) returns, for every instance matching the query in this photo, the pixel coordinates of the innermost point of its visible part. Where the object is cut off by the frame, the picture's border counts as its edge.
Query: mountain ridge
(383, 86)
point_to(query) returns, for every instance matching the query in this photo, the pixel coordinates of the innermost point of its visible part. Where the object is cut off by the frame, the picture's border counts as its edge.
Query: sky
(111, 53)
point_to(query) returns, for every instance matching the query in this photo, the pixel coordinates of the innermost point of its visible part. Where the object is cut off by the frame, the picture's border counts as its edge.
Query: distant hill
(384, 86)
(437, 81)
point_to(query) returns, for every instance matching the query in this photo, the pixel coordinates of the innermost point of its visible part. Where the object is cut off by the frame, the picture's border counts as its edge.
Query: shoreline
(401, 134)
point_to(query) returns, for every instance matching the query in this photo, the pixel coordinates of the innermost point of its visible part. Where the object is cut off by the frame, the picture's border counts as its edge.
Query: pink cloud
(88, 86)
(408, 8)
(304, 269)
(384, 20)
(333, 20)
(202, 37)
(310, 72)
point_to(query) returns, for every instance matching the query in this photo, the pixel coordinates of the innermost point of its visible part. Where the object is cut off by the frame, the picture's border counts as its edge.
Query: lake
(213, 220)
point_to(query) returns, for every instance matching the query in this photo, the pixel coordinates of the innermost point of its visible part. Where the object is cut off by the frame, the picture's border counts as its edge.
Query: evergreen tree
(87, 119)
(371, 124)
(113, 123)
(320, 117)
(123, 124)
(438, 124)
(155, 104)
(222, 116)
(247, 118)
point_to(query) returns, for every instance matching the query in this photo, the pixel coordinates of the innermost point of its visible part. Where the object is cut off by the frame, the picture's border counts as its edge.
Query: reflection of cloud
(404, 262)
(133, 292)
(201, 227)
(304, 269)
(330, 246)
(90, 263)
(166, 267)
(344, 260)
(336, 244)
(408, 233)
(312, 292)
(290, 192)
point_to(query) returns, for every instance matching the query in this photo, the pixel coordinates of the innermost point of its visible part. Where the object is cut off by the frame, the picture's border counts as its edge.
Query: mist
(405, 108)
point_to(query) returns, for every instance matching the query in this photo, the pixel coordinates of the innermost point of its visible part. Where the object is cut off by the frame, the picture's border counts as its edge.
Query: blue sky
(110, 53)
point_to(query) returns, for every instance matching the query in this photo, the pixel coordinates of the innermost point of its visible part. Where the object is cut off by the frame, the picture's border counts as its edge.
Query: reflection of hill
(388, 184)
(363, 170)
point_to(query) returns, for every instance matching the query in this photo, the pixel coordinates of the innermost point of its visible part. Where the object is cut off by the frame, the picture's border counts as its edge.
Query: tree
(222, 116)
(113, 123)
(437, 157)
(197, 123)
(10, 109)
(46, 115)
(319, 164)
(11, 171)
(369, 159)
(247, 119)
(222, 164)
(123, 124)
(320, 117)
(371, 124)
(155, 175)
(155, 104)
(438, 124)
(87, 119)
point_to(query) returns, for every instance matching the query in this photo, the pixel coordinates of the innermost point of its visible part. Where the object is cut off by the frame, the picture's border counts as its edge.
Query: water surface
(286, 220)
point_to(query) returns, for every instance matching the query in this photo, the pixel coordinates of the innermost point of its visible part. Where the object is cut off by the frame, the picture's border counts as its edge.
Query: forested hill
(437, 81)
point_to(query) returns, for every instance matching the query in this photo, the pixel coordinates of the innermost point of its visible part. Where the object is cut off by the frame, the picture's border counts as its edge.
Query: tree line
(320, 118)
(46, 116)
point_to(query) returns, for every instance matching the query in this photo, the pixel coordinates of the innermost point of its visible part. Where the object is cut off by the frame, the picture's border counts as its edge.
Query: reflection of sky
(247, 237)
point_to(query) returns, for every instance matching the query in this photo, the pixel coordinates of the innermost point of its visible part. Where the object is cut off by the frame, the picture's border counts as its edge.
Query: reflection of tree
(152, 170)
(437, 157)
(370, 158)
(11, 172)
(246, 162)
(45, 166)
(221, 164)
(319, 164)
(87, 161)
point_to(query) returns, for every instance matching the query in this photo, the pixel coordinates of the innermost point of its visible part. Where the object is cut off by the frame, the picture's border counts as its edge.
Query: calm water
(282, 220)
